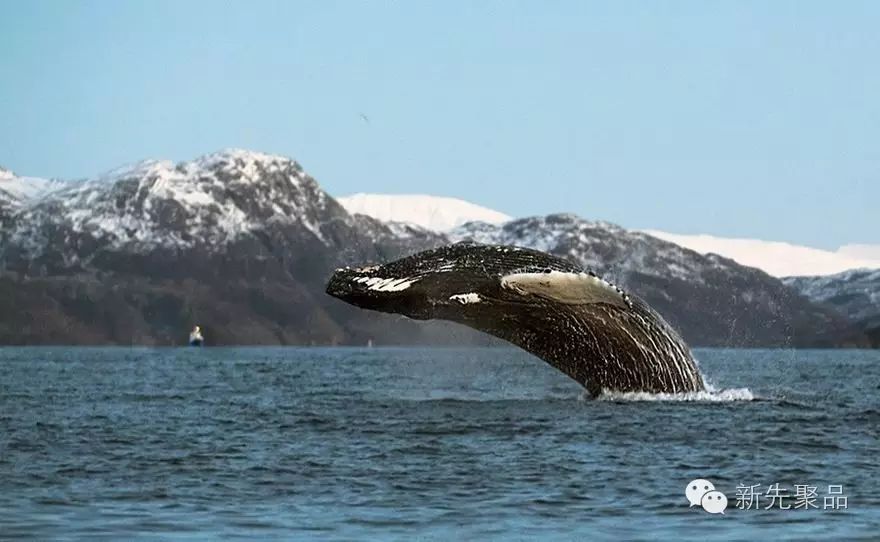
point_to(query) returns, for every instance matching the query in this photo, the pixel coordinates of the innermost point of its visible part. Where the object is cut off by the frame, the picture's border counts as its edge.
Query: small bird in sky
(365, 118)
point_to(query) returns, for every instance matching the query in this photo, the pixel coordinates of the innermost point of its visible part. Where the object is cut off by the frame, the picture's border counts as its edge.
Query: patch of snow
(777, 258)
(856, 291)
(860, 252)
(405, 230)
(25, 189)
(431, 212)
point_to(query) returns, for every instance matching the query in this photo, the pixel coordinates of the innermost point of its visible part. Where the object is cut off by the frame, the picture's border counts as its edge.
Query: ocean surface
(426, 444)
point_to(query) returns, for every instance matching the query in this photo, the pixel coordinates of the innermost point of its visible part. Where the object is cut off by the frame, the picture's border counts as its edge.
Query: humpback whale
(599, 335)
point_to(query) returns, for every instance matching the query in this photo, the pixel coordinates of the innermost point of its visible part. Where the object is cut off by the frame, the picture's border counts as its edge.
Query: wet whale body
(591, 330)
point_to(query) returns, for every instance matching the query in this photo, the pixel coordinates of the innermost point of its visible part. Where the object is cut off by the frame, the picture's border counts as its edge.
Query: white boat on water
(195, 337)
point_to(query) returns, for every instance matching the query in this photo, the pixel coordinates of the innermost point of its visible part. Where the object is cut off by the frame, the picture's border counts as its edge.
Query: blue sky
(752, 119)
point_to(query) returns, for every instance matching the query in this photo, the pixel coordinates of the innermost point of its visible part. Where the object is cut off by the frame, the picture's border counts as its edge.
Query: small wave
(710, 395)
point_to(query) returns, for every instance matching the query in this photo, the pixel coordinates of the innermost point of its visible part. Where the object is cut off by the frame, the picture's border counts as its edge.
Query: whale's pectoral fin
(566, 287)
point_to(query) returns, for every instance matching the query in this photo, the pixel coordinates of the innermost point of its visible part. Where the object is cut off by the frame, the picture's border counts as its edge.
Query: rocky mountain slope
(855, 293)
(714, 300)
(240, 242)
(243, 242)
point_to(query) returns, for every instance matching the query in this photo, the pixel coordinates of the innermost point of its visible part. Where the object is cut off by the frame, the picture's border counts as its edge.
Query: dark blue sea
(427, 444)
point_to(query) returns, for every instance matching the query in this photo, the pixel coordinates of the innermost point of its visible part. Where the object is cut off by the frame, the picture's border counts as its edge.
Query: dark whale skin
(597, 334)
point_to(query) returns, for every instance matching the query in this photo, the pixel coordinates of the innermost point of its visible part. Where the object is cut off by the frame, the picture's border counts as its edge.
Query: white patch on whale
(568, 288)
(464, 299)
(380, 284)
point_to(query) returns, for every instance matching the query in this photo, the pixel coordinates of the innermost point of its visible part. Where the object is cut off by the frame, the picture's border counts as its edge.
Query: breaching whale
(594, 332)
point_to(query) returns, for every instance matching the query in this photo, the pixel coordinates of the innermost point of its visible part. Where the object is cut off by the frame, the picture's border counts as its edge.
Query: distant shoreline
(393, 347)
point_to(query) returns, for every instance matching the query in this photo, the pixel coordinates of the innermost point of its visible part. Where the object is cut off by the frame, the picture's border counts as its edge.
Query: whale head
(417, 286)
(453, 281)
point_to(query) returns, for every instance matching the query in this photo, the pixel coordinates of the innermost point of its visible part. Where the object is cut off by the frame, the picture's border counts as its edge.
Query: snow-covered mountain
(715, 299)
(242, 243)
(599, 245)
(213, 199)
(777, 258)
(238, 241)
(209, 204)
(18, 190)
(431, 212)
(855, 293)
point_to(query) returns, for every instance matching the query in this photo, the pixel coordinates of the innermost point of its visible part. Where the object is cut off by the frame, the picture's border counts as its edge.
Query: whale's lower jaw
(601, 337)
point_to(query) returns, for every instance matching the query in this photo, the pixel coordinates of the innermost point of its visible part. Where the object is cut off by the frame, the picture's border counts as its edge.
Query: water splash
(710, 395)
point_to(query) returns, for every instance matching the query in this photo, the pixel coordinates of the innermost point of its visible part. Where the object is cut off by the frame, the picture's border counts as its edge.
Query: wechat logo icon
(701, 492)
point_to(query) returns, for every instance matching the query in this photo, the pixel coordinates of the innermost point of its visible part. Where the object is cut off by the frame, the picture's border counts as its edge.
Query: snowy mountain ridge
(21, 190)
(779, 259)
(856, 292)
(180, 182)
(247, 240)
(714, 298)
(599, 245)
(210, 200)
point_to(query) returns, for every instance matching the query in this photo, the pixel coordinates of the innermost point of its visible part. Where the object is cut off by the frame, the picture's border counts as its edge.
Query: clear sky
(753, 119)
